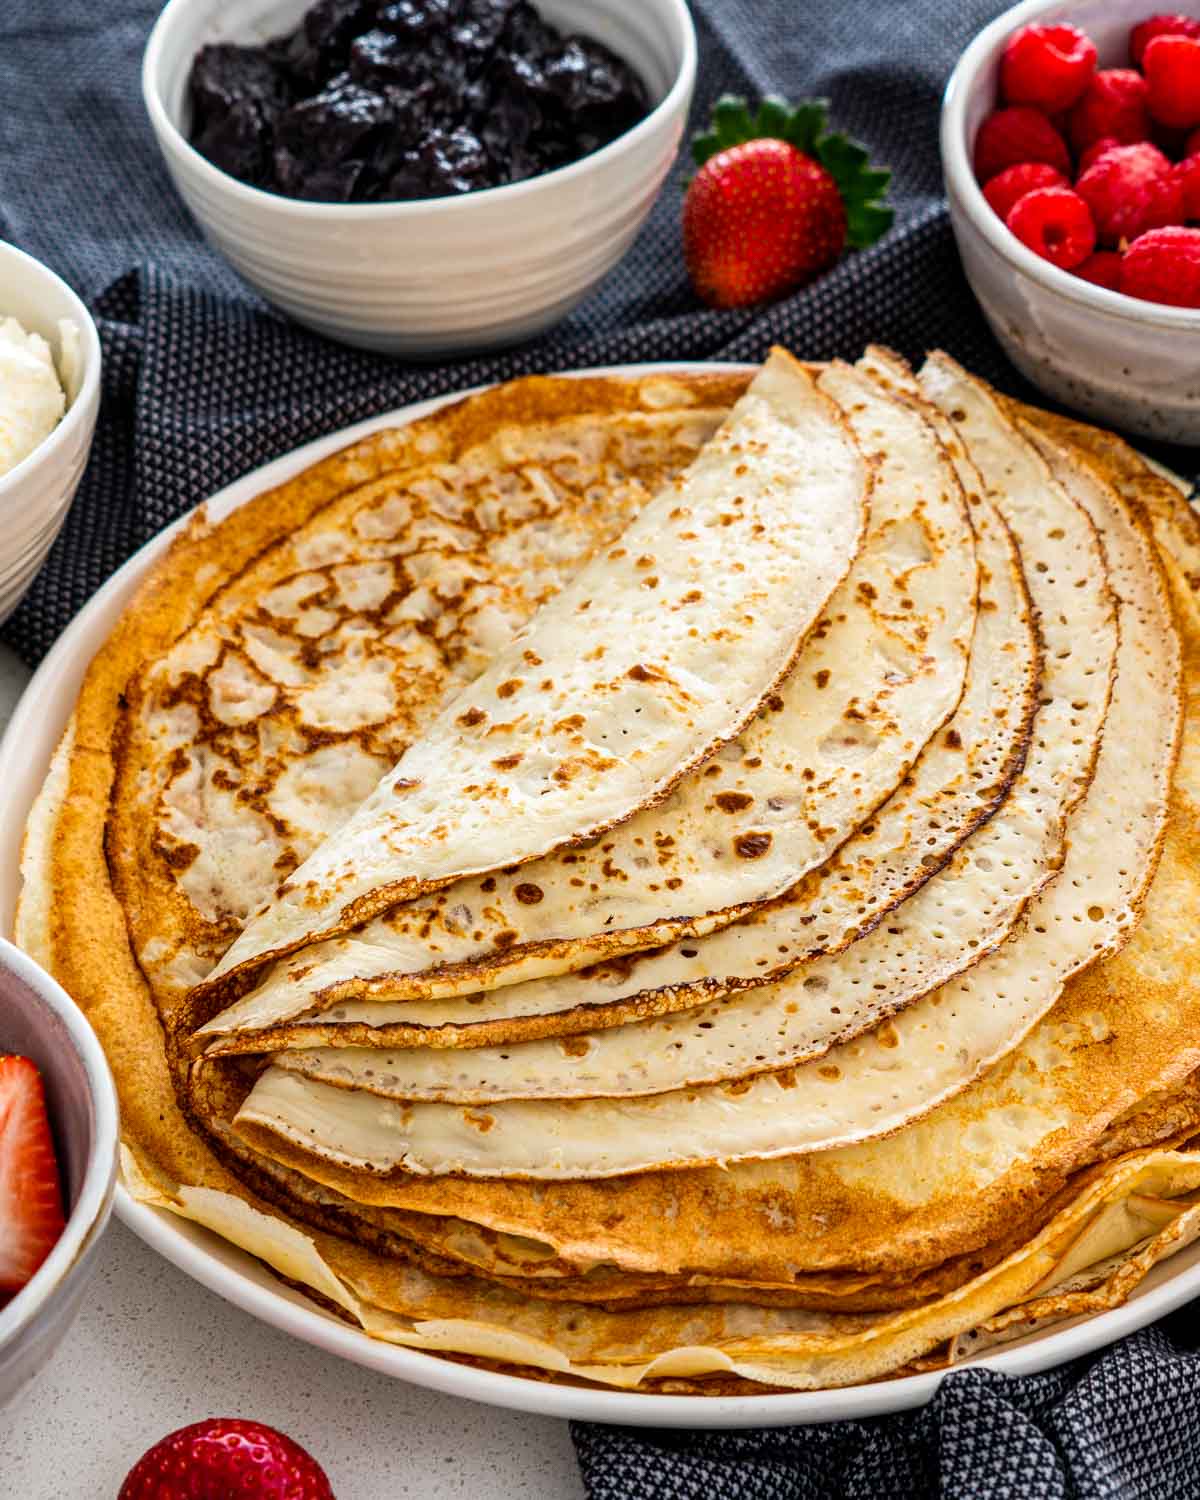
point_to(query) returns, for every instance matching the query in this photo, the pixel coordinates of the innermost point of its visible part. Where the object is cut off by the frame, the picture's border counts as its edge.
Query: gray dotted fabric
(203, 382)
(1121, 1425)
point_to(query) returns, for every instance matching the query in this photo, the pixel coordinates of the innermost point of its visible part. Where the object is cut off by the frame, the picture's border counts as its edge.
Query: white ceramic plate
(24, 756)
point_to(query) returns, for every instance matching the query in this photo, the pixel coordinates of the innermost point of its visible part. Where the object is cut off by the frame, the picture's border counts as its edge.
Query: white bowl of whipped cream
(49, 396)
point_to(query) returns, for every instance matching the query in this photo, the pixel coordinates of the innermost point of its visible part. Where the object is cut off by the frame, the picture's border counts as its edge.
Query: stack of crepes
(685, 882)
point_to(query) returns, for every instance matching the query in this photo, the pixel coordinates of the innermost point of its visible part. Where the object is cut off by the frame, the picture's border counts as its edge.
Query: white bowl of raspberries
(1071, 149)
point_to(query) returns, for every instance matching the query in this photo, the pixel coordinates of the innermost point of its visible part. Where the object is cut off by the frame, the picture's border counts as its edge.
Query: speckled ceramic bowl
(40, 1021)
(1128, 363)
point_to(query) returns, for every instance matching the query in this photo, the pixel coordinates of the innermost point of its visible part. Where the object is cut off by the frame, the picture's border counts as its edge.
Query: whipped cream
(32, 399)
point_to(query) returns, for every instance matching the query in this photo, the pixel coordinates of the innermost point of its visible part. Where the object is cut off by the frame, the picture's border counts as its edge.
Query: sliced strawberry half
(31, 1215)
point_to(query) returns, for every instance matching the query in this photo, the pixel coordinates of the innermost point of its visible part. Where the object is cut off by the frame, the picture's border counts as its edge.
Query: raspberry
(1130, 189)
(1096, 150)
(1055, 224)
(1172, 65)
(1166, 25)
(1114, 103)
(1048, 66)
(1164, 266)
(1187, 174)
(1014, 182)
(1102, 269)
(1019, 134)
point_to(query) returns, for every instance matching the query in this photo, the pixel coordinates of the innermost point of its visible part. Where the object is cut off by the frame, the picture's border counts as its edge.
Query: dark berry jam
(374, 101)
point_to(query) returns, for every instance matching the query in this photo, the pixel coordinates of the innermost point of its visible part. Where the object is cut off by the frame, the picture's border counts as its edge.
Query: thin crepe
(906, 1198)
(868, 1087)
(325, 623)
(1122, 1033)
(792, 1348)
(959, 780)
(884, 670)
(447, 1245)
(659, 651)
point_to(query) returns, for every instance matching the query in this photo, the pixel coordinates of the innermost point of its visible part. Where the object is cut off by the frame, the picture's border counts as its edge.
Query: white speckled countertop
(153, 1350)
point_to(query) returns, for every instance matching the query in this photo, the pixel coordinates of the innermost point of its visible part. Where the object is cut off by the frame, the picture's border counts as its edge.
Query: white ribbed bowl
(36, 495)
(1129, 363)
(443, 275)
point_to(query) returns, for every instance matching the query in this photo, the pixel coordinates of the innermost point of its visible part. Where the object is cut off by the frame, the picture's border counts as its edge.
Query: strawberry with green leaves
(776, 201)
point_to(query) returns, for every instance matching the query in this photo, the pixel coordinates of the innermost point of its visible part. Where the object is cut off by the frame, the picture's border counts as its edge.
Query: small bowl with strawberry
(58, 1155)
(1070, 145)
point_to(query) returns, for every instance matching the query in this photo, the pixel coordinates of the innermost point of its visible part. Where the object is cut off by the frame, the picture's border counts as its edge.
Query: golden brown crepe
(1046, 1187)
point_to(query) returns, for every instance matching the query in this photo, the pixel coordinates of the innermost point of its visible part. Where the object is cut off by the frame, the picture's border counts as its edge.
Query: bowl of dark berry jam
(421, 177)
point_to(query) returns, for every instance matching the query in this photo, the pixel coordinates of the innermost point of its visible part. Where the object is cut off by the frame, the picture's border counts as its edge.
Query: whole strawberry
(224, 1458)
(775, 202)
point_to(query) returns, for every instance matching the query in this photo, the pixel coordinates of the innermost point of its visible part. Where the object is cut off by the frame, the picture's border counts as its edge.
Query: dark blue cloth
(1122, 1425)
(203, 382)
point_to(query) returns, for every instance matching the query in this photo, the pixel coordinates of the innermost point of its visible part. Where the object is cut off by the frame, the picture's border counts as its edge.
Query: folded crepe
(356, 601)
(652, 657)
(959, 779)
(1048, 1093)
(1084, 899)
(882, 674)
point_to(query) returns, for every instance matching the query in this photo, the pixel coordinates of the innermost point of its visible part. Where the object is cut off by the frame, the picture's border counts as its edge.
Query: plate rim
(186, 1245)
